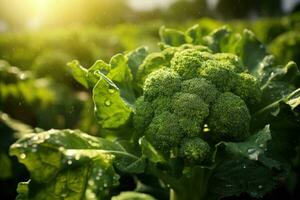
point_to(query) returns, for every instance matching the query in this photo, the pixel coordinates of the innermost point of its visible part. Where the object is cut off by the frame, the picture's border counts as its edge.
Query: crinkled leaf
(251, 51)
(120, 74)
(173, 37)
(110, 108)
(136, 58)
(218, 40)
(150, 152)
(113, 94)
(252, 148)
(79, 73)
(279, 82)
(70, 164)
(233, 177)
(87, 77)
(196, 33)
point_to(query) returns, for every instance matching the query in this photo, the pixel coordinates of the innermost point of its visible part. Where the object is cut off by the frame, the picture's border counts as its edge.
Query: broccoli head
(229, 117)
(195, 101)
(163, 82)
(194, 150)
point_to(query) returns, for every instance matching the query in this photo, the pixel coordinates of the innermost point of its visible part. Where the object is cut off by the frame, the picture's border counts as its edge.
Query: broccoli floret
(162, 82)
(224, 79)
(191, 111)
(143, 114)
(248, 89)
(162, 104)
(229, 61)
(187, 62)
(194, 150)
(229, 117)
(164, 132)
(201, 87)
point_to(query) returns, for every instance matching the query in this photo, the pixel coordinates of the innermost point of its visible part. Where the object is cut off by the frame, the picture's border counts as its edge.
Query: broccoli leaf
(136, 58)
(173, 37)
(218, 40)
(233, 177)
(71, 164)
(87, 77)
(113, 94)
(252, 148)
(251, 51)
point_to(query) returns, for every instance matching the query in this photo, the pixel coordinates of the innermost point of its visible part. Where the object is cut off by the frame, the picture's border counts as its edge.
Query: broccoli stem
(192, 187)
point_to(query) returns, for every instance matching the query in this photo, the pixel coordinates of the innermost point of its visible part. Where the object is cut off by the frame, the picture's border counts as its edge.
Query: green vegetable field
(160, 100)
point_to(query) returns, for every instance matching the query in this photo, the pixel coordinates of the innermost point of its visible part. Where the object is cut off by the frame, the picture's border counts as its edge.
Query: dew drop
(35, 137)
(111, 91)
(69, 162)
(22, 76)
(107, 103)
(253, 155)
(23, 156)
(77, 157)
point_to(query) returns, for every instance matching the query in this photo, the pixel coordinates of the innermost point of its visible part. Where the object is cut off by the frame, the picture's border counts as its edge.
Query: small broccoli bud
(224, 79)
(201, 87)
(229, 117)
(196, 47)
(143, 114)
(229, 61)
(248, 89)
(191, 111)
(194, 150)
(164, 132)
(187, 62)
(162, 82)
(162, 104)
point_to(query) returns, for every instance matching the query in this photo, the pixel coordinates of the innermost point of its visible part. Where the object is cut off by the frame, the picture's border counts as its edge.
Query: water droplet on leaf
(23, 156)
(107, 103)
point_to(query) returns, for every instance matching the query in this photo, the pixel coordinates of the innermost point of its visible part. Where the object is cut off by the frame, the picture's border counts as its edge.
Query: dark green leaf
(136, 58)
(71, 164)
(173, 37)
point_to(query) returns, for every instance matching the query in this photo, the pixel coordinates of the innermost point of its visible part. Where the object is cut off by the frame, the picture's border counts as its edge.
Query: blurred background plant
(38, 38)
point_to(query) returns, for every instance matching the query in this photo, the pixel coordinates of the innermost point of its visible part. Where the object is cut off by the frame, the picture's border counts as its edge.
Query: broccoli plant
(207, 117)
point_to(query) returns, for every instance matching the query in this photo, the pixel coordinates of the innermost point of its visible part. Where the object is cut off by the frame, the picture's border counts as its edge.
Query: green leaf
(251, 51)
(233, 177)
(279, 82)
(87, 77)
(252, 148)
(196, 33)
(79, 73)
(120, 74)
(111, 110)
(71, 164)
(150, 152)
(136, 58)
(218, 40)
(173, 37)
